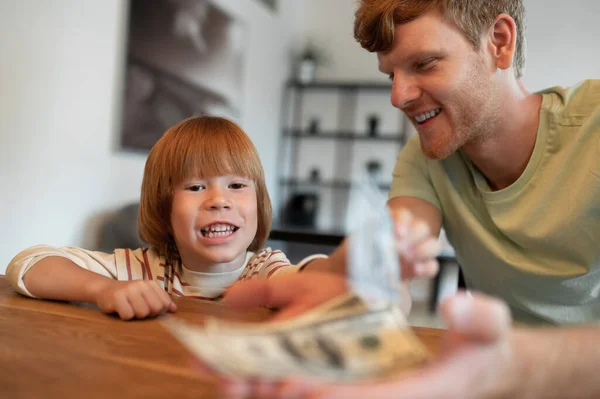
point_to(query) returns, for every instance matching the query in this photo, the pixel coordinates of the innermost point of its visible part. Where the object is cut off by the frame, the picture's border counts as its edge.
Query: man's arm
(557, 363)
(421, 210)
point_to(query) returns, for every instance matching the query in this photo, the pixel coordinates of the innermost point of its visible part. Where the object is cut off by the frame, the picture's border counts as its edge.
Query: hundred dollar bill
(342, 346)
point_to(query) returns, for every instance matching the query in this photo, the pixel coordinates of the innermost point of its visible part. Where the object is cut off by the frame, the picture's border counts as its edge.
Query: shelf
(340, 85)
(341, 135)
(339, 184)
(306, 235)
(346, 142)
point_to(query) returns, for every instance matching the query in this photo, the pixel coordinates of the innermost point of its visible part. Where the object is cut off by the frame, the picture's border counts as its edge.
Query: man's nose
(404, 91)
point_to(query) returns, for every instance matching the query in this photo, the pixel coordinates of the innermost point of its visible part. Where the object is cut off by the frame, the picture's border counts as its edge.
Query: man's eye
(423, 65)
(196, 187)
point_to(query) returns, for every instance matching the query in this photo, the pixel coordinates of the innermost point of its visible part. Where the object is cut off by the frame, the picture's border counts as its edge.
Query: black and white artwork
(271, 4)
(184, 58)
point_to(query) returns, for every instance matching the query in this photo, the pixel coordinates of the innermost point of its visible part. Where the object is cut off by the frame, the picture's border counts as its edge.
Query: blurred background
(85, 89)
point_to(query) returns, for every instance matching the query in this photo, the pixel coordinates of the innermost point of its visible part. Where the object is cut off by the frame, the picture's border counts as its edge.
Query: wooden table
(60, 350)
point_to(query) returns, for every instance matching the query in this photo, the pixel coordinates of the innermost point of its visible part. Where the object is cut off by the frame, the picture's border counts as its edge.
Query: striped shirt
(146, 264)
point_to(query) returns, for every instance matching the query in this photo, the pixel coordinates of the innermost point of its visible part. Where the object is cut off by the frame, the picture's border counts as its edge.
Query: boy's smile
(218, 229)
(214, 221)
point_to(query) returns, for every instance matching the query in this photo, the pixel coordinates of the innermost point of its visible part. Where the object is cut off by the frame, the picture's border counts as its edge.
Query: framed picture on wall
(271, 4)
(184, 58)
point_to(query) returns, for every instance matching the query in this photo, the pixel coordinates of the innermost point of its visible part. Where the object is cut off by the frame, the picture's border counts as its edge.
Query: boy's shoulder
(266, 255)
(146, 255)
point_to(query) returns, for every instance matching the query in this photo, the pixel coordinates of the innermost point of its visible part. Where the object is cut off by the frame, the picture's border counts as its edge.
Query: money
(341, 341)
(373, 260)
(373, 265)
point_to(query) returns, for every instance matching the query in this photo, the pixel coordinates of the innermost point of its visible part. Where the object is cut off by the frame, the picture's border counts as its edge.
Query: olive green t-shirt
(536, 243)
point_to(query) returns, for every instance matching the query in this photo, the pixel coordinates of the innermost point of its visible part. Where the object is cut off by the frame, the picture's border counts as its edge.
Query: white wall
(562, 40)
(61, 65)
(329, 24)
(58, 80)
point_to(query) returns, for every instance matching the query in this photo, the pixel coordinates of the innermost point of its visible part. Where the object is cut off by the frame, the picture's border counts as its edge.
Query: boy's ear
(503, 40)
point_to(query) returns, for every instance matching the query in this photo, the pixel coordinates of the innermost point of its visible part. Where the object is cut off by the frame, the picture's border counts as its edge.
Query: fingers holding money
(417, 246)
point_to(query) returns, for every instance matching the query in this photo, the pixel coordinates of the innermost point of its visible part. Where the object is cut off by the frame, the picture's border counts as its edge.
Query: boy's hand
(134, 299)
(417, 247)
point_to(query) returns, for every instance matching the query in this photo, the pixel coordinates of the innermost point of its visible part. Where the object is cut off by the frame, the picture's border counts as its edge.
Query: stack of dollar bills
(341, 340)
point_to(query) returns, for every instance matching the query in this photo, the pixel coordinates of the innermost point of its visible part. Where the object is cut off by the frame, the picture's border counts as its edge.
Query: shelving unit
(325, 127)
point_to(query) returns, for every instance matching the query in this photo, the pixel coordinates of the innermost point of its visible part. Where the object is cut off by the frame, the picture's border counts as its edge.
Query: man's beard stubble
(479, 118)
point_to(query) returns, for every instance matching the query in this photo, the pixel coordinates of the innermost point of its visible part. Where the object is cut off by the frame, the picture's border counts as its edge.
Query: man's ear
(503, 40)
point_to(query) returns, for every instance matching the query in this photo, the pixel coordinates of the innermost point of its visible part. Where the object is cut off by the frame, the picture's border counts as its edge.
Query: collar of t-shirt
(210, 285)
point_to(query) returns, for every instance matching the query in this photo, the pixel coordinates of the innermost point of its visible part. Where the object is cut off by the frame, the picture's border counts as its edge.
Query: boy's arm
(29, 259)
(59, 278)
(60, 273)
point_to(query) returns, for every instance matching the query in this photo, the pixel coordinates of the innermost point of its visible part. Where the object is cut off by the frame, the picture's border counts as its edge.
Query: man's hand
(133, 299)
(292, 293)
(477, 361)
(416, 246)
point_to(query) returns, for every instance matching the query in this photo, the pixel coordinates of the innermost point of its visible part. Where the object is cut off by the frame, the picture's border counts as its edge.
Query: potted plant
(308, 61)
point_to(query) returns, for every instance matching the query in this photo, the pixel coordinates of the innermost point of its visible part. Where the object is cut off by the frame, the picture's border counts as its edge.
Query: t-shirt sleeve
(411, 175)
(300, 265)
(268, 263)
(97, 262)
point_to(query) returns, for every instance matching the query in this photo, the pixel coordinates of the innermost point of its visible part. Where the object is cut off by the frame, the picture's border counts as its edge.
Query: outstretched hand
(293, 294)
(477, 361)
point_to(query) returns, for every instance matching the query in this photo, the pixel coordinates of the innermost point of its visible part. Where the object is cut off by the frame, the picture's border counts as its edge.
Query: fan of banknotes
(362, 335)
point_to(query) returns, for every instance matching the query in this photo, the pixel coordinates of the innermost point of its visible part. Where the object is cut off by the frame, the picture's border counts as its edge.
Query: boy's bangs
(217, 159)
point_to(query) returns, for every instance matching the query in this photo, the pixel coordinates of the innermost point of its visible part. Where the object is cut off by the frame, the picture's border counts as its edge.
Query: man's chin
(436, 149)
(437, 154)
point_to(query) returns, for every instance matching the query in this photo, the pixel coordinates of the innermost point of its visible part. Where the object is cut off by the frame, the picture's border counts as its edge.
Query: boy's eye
(237, 186)
(195, 187)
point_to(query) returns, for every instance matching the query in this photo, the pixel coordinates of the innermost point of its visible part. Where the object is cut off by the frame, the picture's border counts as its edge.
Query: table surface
(60, 350)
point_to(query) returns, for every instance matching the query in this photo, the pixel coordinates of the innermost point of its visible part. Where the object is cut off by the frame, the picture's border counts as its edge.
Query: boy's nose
(218, 200)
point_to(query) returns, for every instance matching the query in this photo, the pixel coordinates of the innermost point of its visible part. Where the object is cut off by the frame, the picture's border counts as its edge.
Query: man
(514, 177)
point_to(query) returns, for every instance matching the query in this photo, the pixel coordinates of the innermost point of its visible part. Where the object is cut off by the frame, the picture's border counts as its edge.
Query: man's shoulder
(581, 99)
